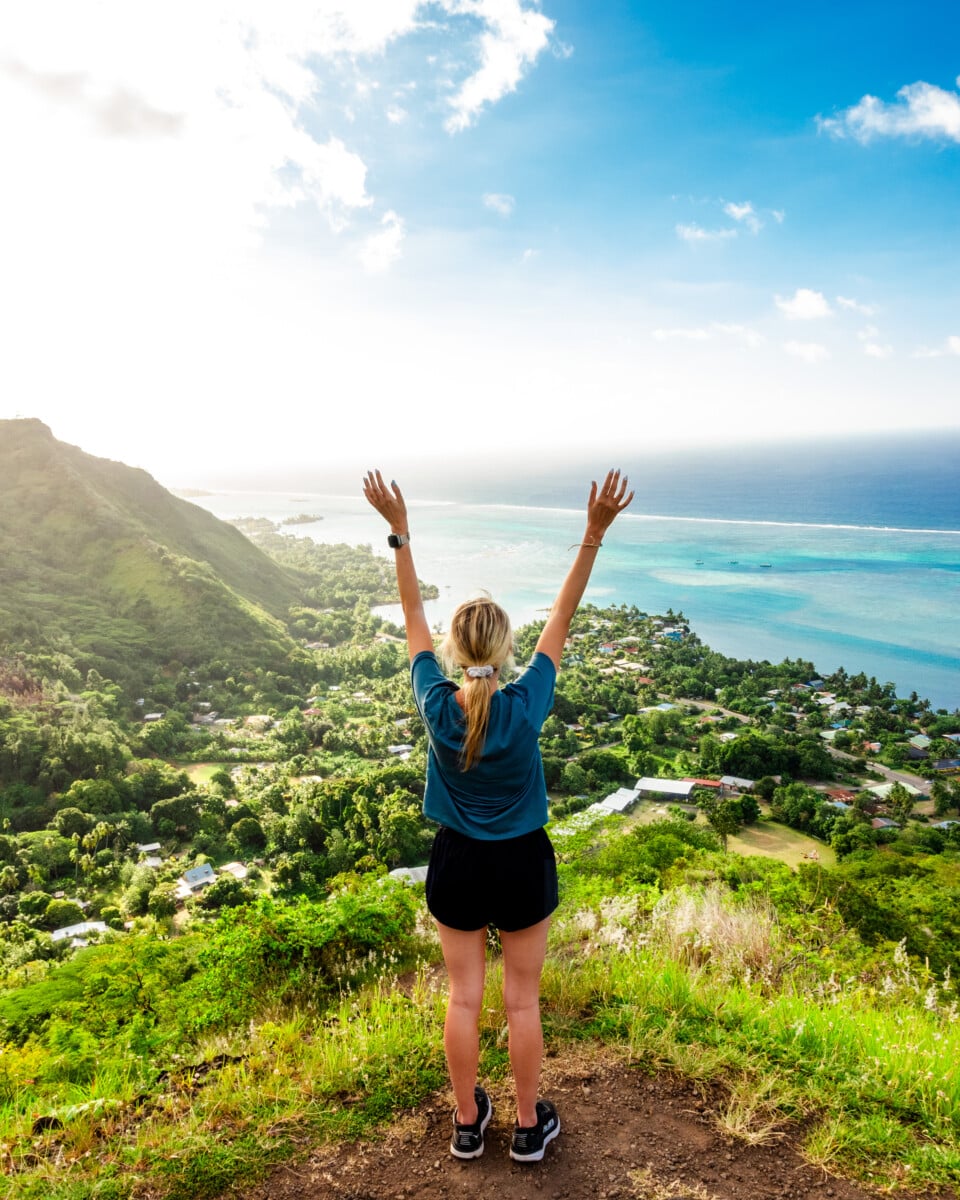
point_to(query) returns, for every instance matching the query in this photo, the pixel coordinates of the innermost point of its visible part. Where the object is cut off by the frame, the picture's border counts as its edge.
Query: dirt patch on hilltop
(625, 1136)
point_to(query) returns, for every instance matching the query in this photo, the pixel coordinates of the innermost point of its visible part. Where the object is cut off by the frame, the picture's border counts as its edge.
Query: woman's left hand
(388, 502)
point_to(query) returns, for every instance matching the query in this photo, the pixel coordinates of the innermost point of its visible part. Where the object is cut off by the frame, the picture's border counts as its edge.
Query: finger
(374, 491)
(593, 491)
(624, 503)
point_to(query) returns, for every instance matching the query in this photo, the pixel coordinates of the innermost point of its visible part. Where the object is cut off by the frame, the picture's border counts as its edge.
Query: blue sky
(325, 232)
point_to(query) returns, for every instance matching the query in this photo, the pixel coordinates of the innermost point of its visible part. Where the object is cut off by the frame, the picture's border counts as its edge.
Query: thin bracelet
(594, 545)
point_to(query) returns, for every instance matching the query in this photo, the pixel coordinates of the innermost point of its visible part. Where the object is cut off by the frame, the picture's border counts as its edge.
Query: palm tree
(75, 854)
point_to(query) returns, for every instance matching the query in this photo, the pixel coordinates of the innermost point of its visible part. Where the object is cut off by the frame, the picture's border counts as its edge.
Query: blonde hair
(480, 635)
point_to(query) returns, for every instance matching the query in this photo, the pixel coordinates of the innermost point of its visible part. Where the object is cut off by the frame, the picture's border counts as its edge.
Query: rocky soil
(626, 1135)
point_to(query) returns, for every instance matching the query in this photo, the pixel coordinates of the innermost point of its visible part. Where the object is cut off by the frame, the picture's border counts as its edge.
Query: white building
(618, 801)
(77, 933)
(664, 787)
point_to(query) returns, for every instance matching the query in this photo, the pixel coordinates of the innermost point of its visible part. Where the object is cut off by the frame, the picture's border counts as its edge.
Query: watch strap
(396, 540)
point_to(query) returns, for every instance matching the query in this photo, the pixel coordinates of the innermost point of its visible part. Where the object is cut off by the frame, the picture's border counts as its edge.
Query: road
(922, 785)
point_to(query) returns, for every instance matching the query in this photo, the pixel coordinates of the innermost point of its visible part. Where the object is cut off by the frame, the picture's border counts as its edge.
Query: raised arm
(603, 507)
(390, 504)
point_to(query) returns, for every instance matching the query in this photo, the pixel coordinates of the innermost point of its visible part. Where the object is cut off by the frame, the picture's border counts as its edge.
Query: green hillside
(191, 1037)
(98, 559)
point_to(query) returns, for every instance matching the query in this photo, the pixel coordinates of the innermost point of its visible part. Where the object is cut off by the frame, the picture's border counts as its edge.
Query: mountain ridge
(102, 556)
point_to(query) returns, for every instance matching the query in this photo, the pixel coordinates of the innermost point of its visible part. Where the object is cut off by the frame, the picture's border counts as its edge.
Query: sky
(242, 235)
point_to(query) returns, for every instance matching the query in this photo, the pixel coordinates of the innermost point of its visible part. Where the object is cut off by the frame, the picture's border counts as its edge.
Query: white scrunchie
(480, 672)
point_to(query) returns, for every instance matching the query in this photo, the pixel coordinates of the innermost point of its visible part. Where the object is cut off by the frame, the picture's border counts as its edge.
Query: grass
(865, 1075)
(786, 1059)
(200, 772)
(767, 838)
(773, 840)
(647, 1187)
(875, 1091)
(297, 1079)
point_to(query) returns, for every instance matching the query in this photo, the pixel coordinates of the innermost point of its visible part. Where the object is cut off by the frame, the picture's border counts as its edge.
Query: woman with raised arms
(491, 862)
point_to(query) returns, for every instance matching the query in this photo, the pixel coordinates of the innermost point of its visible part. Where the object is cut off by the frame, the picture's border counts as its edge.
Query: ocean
(845, 555)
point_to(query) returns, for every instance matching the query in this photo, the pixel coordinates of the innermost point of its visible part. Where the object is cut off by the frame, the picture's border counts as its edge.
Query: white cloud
(695, 234)
(703, 333)
(184, 119)
(949, 348)
(779, 215)
(338, 26)
(154, 160)
(334, 176)
(381, 250)
(869, 338)
(116, 111)
(745, 213)
(804, 305)
(920, 110)
(500, 203)
(810, 352)
(231, 97)
(742, 333)
(513, 39)
(690, 335)
(866, 310)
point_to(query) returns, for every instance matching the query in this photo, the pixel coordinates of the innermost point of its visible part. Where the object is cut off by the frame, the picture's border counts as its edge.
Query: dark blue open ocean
(841, 553)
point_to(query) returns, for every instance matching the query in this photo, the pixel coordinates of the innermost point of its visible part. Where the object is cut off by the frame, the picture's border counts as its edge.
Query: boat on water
(734, 562)
(766, 564)
(698, 563)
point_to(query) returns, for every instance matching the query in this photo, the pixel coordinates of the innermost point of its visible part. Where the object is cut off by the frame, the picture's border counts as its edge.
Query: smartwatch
(396, 540)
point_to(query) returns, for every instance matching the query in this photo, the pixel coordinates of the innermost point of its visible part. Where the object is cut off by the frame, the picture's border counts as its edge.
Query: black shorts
(511, 884)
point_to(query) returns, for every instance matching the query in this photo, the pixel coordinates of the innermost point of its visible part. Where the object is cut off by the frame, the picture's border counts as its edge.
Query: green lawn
(767, 838)
(200, 772)
(773, 840)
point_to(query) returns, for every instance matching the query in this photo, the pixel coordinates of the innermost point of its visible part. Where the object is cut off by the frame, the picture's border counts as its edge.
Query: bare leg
(465, 958)
(523, 955)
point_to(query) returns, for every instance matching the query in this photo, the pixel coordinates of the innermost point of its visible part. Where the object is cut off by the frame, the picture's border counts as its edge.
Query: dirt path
(625, 1136)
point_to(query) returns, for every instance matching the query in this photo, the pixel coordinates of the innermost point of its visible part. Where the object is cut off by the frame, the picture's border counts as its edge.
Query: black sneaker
(528, 1144)
(467, 1141)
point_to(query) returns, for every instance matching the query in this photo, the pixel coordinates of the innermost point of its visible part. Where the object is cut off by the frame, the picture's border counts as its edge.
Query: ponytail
(476, 711)
(480, 636)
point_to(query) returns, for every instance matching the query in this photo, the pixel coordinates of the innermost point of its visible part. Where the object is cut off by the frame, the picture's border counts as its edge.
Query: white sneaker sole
(537, 1154)
(465, 1155)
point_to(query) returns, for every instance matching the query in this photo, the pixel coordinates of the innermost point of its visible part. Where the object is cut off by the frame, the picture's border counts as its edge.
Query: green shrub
(112, 916)
(248, 834)
(59, 913)
(302, 951)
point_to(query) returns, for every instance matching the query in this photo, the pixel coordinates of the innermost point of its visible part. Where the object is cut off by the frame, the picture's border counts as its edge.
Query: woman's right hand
(605, 504)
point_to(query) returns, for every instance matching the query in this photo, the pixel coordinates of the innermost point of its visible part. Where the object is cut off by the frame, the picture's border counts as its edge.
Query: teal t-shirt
(504, 794)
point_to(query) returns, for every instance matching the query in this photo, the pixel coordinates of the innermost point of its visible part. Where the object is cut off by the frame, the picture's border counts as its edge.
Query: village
(806, 769)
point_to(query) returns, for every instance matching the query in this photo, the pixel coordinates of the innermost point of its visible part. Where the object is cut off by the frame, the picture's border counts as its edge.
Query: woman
(492, 862)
